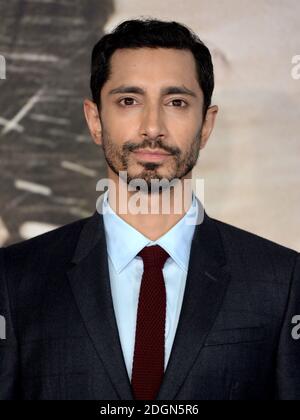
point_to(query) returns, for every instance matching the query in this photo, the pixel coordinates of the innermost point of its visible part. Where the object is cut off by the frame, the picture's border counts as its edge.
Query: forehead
(154, 64)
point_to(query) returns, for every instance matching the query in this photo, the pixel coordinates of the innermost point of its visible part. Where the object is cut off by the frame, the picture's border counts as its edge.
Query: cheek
(183, 134)
(180, 127)
(121, 127)
(184, 123)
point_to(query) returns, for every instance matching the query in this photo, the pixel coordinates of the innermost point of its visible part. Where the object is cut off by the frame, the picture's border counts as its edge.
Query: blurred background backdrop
(48, 164)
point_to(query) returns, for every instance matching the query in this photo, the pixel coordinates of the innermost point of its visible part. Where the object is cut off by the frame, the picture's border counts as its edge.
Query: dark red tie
(149, 352)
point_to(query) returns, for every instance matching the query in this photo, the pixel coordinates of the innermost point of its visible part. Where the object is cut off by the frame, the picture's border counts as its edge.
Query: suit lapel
(89, 280)
(206, 285)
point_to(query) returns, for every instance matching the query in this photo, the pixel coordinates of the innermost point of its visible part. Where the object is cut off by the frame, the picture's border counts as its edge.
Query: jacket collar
(206, 284)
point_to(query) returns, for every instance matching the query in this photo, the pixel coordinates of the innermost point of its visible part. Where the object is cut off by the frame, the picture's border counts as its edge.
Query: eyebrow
(169, 90)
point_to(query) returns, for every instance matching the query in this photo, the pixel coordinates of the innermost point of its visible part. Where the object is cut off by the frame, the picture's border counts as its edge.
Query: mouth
(153, 156)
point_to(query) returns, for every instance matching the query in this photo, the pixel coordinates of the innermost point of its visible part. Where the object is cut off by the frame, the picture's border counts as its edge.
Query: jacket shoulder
(255, 251)
(57, 244)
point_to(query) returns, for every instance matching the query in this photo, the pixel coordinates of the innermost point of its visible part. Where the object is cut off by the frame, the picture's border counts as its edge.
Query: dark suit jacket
(233, 339)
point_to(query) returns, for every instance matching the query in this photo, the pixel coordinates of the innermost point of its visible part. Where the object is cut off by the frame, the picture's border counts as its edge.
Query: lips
(152, 155)
(153, 152)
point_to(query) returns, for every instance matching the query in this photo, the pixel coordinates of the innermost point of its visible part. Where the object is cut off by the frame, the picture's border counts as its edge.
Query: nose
(152, 124)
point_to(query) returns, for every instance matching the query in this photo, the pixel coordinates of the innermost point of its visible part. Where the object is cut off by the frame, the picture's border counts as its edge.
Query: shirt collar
(124, 242)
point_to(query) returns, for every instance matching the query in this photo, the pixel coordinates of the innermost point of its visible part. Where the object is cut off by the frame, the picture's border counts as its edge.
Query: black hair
(151, 33)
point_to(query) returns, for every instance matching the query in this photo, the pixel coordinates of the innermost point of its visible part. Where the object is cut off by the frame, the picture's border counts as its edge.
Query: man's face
(139, 111)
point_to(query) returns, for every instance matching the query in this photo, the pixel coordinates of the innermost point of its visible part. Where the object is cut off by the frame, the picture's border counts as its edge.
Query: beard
(177, 166)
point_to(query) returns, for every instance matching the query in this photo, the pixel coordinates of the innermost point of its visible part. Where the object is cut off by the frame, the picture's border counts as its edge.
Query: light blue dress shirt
(124, 242)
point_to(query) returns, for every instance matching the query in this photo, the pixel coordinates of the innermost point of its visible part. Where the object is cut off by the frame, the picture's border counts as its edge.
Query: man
(127, 305)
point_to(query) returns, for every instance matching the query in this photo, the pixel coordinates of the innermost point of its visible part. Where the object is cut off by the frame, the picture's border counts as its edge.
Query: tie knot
(154, 256)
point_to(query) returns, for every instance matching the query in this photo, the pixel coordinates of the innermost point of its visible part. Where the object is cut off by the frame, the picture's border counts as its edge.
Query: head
(152, 83)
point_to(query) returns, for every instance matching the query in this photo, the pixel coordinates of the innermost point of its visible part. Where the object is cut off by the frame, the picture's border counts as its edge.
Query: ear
(93, 121)
(208, 125)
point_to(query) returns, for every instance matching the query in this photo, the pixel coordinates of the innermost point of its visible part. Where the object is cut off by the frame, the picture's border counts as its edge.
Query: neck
(157, 213)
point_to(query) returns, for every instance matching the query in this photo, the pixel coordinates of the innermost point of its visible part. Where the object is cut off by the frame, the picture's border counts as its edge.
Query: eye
(126, 99)
(179, 101)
